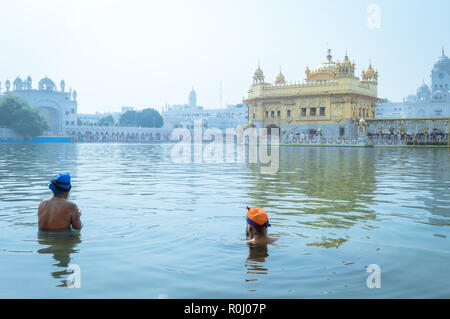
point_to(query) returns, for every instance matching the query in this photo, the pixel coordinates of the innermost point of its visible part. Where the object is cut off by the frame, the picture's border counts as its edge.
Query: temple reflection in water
(304, 190)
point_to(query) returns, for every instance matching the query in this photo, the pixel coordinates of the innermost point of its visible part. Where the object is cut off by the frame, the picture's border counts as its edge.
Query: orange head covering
(257, 218)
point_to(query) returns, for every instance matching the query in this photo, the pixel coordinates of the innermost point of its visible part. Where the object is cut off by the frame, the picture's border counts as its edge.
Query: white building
(59, 107)
(184, 115)
(428, 101)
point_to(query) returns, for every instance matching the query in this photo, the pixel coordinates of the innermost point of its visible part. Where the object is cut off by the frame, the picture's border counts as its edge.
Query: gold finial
(329, 56)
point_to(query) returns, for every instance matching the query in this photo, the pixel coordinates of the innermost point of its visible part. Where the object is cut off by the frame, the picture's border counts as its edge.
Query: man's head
(257, 221)
(60, 185)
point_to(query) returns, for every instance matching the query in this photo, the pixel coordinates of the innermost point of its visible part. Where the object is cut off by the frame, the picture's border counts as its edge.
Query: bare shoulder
(44, 201)
(72, 206)
(42, 204)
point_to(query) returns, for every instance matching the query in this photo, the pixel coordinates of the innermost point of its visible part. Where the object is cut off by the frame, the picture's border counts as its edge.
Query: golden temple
(331, 100)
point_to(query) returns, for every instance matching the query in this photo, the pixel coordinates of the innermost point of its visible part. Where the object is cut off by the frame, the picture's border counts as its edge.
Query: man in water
(57, 214)
(257, 223)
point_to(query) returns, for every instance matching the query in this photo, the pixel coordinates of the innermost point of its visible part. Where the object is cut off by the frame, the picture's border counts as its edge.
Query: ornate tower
(193, 98)
(440, 75)
(370, 75)
(346, 69)
(29, 82)
(258, 76)
(18, 84)
(423, 93)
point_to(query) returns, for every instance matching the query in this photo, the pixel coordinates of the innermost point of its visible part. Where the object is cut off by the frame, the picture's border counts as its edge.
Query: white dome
(327, 66)
(46, 84)
(443, 63)
(424, 89)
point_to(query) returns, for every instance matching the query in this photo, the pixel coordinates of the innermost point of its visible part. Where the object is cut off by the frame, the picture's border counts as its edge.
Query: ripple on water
(153, 227)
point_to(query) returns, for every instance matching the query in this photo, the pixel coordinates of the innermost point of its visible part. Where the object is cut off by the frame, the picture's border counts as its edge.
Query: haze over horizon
(145, 54)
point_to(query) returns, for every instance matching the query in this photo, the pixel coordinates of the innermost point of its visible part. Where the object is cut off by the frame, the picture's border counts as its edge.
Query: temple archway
(270, 127)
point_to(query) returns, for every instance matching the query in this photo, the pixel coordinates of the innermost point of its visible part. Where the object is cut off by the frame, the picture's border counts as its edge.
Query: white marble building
(184, 115)
(58, 106)
(429, 101)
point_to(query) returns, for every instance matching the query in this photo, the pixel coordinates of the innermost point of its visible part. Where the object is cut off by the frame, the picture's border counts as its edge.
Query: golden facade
(330, 95)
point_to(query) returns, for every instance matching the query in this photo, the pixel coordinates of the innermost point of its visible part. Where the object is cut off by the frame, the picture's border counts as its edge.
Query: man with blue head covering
(57, 213)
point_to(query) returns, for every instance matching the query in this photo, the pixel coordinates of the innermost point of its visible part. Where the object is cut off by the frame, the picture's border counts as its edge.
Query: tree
(129, 118)
(149, 118)
(145, 118)
(106, 121)
(8, 106)
(16, 114)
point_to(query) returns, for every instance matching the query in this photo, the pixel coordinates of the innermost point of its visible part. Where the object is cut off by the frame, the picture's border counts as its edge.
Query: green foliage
(106, 121)
(145, 118)
(16, 114)
(149, 118)
(128, 118)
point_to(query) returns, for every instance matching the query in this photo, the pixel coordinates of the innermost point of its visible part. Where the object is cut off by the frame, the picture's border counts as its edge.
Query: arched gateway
(58, 106)
(272, 126)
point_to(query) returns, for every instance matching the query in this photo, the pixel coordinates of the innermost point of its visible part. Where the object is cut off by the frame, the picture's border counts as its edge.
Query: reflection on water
(256, 262)
(61, 246)
(153, 227)
(323, 188)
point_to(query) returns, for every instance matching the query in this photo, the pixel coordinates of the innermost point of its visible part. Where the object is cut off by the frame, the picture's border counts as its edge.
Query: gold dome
(280, 80)
(258, 72)
(258, 76)
(329, 65)
(323, 72)
(370, 74)
(346, 62)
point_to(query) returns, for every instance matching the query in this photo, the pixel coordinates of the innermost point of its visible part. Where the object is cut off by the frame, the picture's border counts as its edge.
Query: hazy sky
(146, 53)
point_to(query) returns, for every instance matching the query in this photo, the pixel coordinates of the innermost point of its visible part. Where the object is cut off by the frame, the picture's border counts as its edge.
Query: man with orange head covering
(257, 223)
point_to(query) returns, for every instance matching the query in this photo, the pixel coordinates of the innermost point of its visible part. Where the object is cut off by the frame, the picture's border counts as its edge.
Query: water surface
(158, 229)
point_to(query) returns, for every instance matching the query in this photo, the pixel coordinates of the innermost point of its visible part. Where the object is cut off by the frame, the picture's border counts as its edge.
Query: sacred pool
(158, 229)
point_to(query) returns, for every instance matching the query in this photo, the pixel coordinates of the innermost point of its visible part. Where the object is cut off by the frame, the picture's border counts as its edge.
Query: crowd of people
(96, 137)
(409, 139)
(391, 138)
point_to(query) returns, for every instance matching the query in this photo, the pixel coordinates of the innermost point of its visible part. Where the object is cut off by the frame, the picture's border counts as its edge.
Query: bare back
(58, 214)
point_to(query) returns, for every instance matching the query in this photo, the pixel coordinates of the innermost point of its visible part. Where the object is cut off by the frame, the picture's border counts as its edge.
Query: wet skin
(259, 237)
(58, 214)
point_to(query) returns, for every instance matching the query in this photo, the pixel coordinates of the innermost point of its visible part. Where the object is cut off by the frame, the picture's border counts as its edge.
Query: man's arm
(75, 219)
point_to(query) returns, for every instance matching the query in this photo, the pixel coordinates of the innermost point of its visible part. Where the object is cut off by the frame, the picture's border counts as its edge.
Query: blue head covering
(60, 183)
